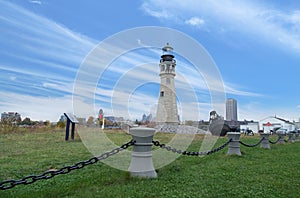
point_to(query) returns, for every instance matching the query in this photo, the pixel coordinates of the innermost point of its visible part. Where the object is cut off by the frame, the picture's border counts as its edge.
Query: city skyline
(256, 46)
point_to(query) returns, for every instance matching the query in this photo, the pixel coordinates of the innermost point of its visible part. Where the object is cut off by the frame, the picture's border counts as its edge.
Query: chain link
(252, 145)
(64, 170)
(275, 141)
(190, 153)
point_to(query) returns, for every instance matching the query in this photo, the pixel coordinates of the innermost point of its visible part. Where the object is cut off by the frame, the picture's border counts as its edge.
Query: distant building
(82, 120)
(119, 119)
(253, 126)
(113, 122)
(146, 118)
(11, 116)
(297, 125)
(273, 123)
(231, 110)
(110, 119)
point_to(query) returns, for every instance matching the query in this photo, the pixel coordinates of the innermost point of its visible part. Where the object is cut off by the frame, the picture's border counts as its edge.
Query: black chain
(66, 169)
(275, 141)
(252, 145)
(190, 153)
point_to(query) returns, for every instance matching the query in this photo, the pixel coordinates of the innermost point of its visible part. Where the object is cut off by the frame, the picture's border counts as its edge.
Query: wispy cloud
(39, 64)
(250, 17)
(37, 108)
(35, 2)
(42, 58)
(158, 13)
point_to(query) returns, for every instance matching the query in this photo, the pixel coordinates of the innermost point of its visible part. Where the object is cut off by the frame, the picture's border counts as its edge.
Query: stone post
(141, 164)
(297, 137)
(281, 138)
(291, 137)
(234, 145)
(265, 142)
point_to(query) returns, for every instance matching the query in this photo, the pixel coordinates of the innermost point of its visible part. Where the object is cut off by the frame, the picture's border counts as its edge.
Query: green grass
(257, 173)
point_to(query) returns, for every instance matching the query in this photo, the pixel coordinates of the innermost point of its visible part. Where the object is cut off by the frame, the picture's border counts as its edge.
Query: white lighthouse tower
(167, 112)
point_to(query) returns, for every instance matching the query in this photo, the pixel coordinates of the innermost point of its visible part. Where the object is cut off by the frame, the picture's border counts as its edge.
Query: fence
(141, 162)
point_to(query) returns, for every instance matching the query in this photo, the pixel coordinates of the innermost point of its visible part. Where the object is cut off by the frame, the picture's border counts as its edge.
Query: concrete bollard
(141, 164)
(291, 138)
(234, 145)
(297, 137)
(281, 138)
(265, 142)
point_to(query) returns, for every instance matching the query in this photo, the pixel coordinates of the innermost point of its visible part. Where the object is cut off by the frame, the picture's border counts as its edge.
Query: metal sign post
(70, 119)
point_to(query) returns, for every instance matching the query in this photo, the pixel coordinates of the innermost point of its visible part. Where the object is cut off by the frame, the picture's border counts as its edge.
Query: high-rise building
(231, 110)
(167, 111)
(11, 116)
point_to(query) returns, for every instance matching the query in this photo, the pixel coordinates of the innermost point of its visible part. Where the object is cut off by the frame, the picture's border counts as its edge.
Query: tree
(90, 120)
(47, 123)
(6, 125)
(137, 122)
(61, 124)
(19, 120)
(26, 121)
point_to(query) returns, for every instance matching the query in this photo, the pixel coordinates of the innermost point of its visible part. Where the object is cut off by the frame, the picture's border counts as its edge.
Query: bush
(61, 124)
(8, 126)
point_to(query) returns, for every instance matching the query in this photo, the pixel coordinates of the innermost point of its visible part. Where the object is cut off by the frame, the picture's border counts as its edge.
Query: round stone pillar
(141, 164)
(281, 138)
(291, 137)
(265, 142)
(297, 137)
(234, 145)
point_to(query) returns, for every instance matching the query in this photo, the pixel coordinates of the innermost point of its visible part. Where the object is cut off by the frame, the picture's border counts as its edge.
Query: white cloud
(231, 89)
(60, 52)
(257, 111)
(37, 108)
(253, 18)
(41, 60)
(195, 21)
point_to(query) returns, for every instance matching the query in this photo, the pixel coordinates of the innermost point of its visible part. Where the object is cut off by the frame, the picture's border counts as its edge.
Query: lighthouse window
(168, 80)
(162, 93)
(168, 68)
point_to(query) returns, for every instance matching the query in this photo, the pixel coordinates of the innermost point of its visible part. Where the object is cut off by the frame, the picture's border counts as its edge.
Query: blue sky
(255, 44)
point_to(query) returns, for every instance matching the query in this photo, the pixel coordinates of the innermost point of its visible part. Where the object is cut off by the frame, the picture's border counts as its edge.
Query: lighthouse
(167, 112)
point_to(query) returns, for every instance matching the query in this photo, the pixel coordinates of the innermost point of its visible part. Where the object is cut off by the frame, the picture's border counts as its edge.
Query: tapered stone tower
(167, 112)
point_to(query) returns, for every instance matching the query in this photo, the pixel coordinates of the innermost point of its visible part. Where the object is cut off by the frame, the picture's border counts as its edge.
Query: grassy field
(257, 173)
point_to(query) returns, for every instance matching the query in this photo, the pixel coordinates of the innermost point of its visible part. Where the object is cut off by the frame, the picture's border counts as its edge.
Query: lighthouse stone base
(180, 129)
